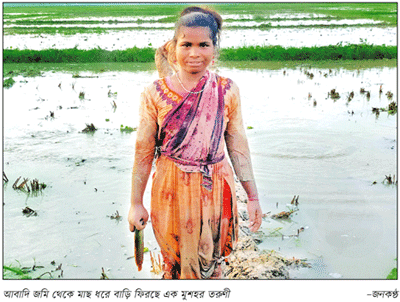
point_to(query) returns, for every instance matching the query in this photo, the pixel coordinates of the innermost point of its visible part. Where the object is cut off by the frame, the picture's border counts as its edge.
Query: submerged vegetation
(34, 272)
(10, 272)
(249, 53)
(34, 187)
(391, 109)
(127, 129)
(90, 128)
(8, 83)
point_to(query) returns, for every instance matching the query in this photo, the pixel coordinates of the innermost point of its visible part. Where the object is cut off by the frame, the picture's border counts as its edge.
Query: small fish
(139, 248)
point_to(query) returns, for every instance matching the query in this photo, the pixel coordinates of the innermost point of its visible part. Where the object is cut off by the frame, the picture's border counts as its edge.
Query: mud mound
(247, 261)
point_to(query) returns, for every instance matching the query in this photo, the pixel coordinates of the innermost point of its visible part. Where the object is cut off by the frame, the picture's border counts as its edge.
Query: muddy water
(330, 158)
(328, 152)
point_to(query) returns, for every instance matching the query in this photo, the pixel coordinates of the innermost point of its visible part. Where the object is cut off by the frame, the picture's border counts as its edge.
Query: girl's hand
(255, 214)
(137, 217)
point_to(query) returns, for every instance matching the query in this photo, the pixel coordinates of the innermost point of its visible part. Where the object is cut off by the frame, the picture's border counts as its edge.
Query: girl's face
(194, 49)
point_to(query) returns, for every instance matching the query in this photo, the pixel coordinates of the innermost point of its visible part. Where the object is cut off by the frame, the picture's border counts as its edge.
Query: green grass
(168, 19)
(127, 129)
(377, 11)
(326, 64)
(392, 275)
(74, 55)
(384, 12)
(250, 53)
(19, 272)
(332, 52)
(72, 11)
(8, 83)
(10, 272)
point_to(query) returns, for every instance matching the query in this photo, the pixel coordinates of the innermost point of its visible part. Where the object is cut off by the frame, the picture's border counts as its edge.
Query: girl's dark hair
(195, 16)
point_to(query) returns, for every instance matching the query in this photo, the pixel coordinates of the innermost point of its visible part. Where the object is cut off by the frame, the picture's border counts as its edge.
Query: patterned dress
(195, 225)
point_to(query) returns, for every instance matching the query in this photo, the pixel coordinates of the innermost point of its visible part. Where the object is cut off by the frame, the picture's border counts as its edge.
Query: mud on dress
(193, 212)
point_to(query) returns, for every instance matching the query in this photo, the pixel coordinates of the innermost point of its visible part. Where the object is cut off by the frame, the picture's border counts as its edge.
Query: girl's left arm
(239, 153)
(253, 205)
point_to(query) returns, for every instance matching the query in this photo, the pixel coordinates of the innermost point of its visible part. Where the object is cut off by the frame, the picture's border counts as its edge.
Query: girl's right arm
(144, 155)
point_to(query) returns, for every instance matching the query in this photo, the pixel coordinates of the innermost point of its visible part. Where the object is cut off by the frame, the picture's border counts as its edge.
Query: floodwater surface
(285, 37)
(332, 153)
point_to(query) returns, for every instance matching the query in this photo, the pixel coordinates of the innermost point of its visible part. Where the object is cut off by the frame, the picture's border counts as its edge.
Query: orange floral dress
(195, 228)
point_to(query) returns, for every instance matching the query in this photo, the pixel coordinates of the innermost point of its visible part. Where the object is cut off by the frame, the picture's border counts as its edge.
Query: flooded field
(320, 131)
(286, 37)
(332, 152)
(288, 25)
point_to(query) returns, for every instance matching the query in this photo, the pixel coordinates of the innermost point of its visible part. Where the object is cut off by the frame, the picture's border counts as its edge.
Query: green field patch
(249, 53)
(75, 55)
(50, 14)
(278, 65)
(377, 11)
(331, 52)
(385, 12)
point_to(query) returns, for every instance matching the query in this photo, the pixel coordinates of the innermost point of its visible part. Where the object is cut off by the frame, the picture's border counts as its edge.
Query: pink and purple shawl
(193, 129)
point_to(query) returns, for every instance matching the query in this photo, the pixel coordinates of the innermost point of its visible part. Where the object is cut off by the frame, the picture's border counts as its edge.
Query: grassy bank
(74, 55)
(331, 52)
(250, 53)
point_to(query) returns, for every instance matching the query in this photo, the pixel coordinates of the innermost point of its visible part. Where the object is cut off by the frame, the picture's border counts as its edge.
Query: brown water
(328, 154)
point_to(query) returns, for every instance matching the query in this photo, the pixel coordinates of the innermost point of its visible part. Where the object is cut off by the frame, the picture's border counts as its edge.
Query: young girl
(186, 118)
